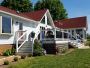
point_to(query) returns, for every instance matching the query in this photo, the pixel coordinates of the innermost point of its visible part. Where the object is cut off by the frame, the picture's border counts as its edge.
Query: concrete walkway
(8, 58)
(84, 47)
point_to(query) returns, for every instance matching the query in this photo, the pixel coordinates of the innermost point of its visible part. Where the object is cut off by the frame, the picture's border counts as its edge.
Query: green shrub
(7, 53)
(23, 56)
(88, 39)
(87, 43)
(29, 55)
(15, 58)
(38, 50)
(88, 36)
(6, 62)
(13, 51)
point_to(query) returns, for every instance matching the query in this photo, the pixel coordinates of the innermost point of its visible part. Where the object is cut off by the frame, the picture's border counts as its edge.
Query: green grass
(76, 59)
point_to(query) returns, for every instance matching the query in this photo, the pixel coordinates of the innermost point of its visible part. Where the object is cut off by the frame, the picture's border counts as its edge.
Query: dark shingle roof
(35, 15)
(71, 23)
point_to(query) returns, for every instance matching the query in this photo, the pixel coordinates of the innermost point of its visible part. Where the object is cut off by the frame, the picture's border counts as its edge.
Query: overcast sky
(76, 8)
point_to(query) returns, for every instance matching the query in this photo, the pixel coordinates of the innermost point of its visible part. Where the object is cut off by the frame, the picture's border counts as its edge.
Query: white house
(70, 32)
(73, 26)
(72, 29)
(16, 28)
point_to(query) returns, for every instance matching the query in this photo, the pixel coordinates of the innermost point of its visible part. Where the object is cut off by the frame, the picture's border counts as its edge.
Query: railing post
(16, 35)
(55, 33)
(32, 45)
(16, 45)
(62, 35)
(40, 34)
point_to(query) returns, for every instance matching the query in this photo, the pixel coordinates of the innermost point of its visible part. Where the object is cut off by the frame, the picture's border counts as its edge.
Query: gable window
(48, 21)
(43, 21)
(6, 25)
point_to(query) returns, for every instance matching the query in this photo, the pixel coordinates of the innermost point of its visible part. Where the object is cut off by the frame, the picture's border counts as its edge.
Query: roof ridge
(34, 15)
(71, 18)
(71, 23)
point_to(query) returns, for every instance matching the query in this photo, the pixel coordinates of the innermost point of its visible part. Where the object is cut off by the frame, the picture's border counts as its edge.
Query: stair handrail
(17, 41)
(74, 41)
(21, 36)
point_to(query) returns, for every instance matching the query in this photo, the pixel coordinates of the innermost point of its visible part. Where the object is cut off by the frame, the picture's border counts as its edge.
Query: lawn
(76, 59)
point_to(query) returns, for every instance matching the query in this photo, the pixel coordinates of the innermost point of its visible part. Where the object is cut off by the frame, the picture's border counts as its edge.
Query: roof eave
(18, 16)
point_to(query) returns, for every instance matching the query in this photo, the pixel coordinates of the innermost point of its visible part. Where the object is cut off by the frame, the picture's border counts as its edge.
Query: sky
(76, 8)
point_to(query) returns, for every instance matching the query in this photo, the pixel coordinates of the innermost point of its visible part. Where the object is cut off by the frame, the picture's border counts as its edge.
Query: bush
(37, 53)
(13, 51)
(87, 43)
(88, 39)
(15, 58)
(6, 62)
(88, 36)
(29, 55)
(38, 50)
(7, 53)
(23, 56)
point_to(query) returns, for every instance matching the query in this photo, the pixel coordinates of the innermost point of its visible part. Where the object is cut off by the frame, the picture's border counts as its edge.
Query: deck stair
(23, 46)
(26, 48)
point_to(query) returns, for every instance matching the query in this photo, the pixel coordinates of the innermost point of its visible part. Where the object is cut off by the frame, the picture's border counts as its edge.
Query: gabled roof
(35, 15)
(78, 22)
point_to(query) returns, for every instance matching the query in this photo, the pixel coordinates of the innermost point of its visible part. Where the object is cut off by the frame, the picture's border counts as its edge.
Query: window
(6, 24)
(48, 21)
(58, 34)
(43, 21)
(65, 35)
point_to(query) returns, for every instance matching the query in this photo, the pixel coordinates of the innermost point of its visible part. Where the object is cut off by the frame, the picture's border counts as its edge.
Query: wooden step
(26, 48)
(24, 53)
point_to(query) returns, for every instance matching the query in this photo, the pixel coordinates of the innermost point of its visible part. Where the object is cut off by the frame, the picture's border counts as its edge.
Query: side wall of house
(27, 26)
(10, 38)
(74, 31)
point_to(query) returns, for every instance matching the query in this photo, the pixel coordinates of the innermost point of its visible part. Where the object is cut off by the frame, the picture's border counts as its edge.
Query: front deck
(52, 39)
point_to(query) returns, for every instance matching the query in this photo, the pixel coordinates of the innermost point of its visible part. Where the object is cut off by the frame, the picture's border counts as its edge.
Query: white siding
(10, 39)
(27, 25)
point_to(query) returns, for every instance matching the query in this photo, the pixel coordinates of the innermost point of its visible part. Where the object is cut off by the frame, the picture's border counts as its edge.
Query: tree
(20, 5)
(55, 7)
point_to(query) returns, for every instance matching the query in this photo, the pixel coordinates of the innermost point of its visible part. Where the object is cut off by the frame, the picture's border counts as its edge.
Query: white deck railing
(21, 37)
(69, 38)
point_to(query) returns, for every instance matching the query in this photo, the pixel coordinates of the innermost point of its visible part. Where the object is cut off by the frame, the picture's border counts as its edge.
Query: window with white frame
(43, 21)
(58, 34)
(48, 21)
(6, 25)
